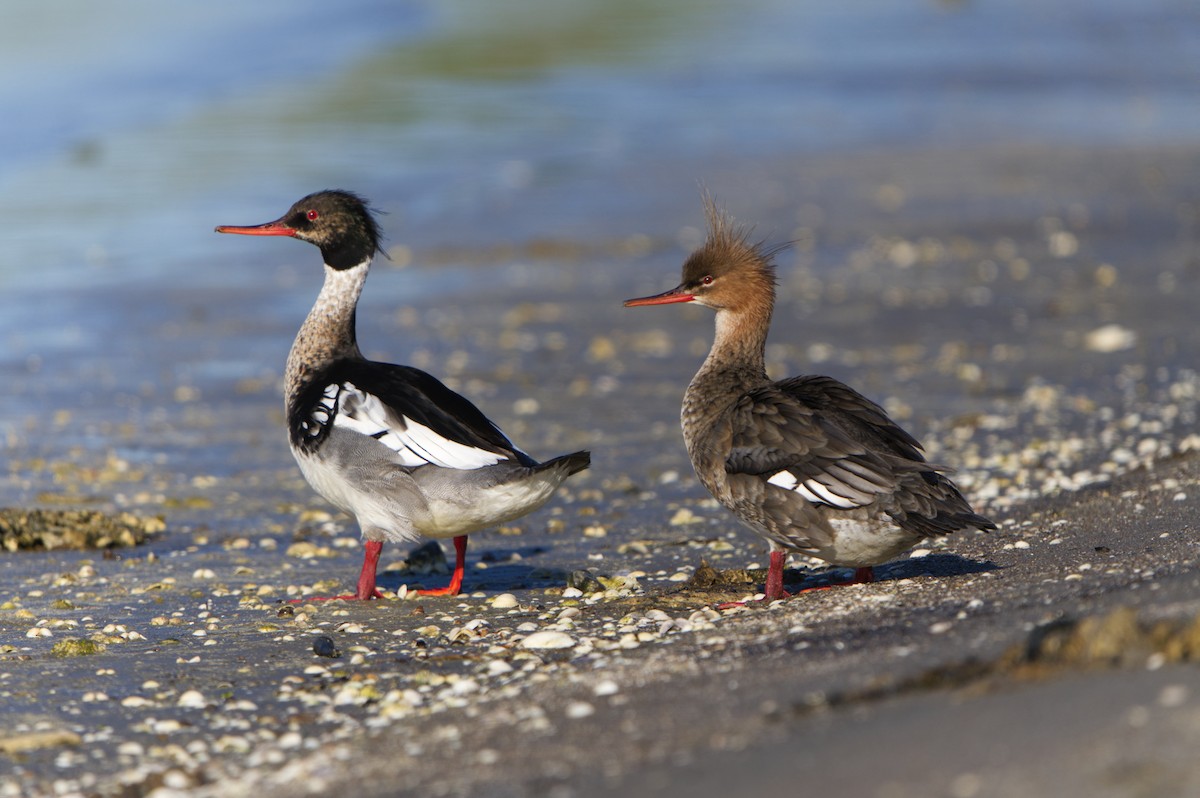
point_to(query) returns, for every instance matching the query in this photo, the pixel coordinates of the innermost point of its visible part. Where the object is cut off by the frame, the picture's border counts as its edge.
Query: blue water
(133, 127)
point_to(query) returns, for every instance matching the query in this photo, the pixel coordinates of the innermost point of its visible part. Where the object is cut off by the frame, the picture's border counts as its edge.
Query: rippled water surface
(134, 127)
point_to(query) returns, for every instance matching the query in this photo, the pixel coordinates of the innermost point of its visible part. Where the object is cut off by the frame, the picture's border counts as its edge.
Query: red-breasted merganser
(807, 462)
(391, 445)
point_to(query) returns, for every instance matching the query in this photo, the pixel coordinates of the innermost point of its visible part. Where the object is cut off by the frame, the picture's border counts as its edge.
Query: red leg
(366, 579)
(863, 575)
(774, 587)
(460, 561)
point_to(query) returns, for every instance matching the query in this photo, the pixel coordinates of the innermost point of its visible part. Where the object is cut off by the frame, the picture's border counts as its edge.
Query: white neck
(328, 332)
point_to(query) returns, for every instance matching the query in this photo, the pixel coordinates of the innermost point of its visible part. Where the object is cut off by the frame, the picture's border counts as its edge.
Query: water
(133, 128)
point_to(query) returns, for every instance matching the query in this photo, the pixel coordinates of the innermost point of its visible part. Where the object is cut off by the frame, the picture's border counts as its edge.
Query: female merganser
(807, 463)
(391, 445)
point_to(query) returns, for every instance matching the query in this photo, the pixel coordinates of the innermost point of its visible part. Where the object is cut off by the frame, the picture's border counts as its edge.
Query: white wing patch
(814, 491)
(416, 444)
(319, 418)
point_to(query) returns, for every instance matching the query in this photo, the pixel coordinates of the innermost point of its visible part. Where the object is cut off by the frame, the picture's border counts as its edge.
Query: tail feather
(573, 463)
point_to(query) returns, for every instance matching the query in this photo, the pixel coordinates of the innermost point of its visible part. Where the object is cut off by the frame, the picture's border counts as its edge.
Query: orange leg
(460, 560)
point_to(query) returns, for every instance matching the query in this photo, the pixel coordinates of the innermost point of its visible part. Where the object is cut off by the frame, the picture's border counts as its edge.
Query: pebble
(192, 699)
(1173, 696)
(584, 582)
(684, 516)
(606, 687)
(505, 601)
(1110, 338)
(548, 640)
(579, 709)
(323, 646)
(498, 667)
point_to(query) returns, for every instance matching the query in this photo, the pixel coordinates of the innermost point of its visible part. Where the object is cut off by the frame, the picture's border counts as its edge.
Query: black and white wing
(405, 409)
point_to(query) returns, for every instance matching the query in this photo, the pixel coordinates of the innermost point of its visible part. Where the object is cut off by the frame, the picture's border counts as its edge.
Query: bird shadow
(513, 568)
(931, 565)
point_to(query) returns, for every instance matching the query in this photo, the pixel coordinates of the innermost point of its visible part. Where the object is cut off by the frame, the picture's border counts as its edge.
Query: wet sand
(1027, 313)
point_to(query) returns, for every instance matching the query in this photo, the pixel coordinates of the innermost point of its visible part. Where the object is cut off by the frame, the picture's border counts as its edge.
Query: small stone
(684, 516)
(498, 667)
(547, 639)
(585, 582)
(73, 647)
(323, 646)
(505, 601)
(580, 709)
(606, 687)
(192, 699)
(1110, 338)
(33, 741)
(1173, 695)
(428, 558)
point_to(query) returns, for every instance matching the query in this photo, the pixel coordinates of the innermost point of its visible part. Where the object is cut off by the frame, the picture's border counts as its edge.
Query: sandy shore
(1028, 314)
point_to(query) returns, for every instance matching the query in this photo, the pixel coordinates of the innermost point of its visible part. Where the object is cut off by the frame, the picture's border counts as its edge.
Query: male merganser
(807, 462)
(391, 445)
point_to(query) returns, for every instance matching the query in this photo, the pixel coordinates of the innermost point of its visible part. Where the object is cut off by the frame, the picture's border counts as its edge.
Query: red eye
(708, 279)
(312, 216)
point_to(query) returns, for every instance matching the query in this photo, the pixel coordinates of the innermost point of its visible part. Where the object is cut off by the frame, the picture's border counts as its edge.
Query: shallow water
(141, 126)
